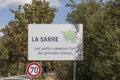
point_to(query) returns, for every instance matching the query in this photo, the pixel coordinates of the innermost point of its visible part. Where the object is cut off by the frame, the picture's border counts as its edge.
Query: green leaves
(16, 31)
(101, 39)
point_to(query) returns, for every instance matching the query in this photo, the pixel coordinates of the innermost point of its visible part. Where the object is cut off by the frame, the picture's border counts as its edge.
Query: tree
(3, 59)
(101, 39)
(16, 32)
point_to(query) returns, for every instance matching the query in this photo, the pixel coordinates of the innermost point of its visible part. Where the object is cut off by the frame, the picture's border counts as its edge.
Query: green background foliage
(15, 39)
(101, 40)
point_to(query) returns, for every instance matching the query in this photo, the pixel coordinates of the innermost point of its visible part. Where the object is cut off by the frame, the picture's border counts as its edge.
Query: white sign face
(55, 42)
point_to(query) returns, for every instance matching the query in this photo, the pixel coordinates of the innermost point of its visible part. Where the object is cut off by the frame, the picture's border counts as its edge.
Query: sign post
(55, 42)
(74, 71)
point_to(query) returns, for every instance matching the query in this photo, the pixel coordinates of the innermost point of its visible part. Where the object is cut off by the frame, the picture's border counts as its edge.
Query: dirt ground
(49, 78)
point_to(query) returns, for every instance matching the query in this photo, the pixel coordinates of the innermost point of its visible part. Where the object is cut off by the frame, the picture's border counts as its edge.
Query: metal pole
(74, 71)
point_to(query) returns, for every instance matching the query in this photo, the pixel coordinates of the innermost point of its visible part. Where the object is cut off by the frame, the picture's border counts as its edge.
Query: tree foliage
(101, 23)
(16, 31)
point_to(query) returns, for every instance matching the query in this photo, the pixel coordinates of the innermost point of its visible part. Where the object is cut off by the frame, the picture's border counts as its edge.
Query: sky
(6, 15)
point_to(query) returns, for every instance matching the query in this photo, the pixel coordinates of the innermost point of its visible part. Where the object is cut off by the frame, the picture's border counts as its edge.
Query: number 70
(34, 69)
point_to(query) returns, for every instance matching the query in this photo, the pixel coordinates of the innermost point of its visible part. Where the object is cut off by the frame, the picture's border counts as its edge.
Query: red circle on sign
(29, 73)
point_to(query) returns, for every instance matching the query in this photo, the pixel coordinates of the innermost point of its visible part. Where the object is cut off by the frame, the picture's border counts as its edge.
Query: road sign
(34, 70)
(55, 42)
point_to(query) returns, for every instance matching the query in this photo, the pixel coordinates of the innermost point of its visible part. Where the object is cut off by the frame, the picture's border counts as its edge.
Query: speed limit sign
(34, 69)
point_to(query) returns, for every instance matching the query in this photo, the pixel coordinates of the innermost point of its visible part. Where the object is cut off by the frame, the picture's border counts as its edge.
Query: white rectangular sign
(55, 42)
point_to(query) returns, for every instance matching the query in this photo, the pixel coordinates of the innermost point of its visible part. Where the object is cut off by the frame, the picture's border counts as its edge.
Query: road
(22, 77)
